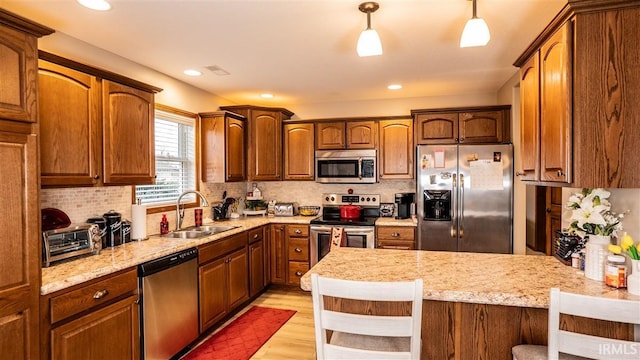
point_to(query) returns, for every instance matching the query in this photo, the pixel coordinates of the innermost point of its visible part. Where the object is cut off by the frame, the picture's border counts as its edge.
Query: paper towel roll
(138, 222)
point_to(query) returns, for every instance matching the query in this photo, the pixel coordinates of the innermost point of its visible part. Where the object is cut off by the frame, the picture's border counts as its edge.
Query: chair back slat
(595, 347)
(364, 326)
(626, 311)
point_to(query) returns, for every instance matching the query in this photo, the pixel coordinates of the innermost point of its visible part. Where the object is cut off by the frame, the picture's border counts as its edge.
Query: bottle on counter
(164, 225)
(615, 271)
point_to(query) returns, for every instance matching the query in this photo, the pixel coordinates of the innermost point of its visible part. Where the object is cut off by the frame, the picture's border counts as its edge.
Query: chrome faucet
(180, 212)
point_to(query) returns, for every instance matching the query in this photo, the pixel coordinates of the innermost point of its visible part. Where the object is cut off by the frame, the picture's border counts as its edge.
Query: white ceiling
(304, 51)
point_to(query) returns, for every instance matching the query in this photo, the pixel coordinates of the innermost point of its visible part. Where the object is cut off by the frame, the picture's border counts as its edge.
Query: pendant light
(476, 31)
(369, 42)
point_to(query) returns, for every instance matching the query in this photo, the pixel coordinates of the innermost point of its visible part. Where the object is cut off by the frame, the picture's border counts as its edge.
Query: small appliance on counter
(386, 209)
(219, 211)
(286, 209)
(404, 203)
(70, 242)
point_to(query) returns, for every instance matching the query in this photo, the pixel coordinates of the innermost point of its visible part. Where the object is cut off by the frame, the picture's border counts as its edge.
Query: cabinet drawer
(396, 232)
(298, 230)
(296, 270)
(91, 295)
(298, 249)
(255, 235)
(220, 247)
(395, 244)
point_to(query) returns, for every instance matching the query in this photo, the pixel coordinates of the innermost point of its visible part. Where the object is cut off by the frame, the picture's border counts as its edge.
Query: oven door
(356, 236)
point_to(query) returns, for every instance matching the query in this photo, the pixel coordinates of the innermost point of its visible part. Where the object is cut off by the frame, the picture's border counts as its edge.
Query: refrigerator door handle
(454, 201)
(461, 231)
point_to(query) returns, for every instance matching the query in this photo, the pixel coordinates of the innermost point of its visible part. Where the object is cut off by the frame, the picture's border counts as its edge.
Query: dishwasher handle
(165, 262)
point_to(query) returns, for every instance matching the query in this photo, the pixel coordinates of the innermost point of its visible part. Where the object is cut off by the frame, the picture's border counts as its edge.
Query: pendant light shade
(369, 42)
(476, 31)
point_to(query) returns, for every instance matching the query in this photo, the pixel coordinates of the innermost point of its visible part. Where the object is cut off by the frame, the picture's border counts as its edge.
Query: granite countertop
(391, 221)
(499, 279)
(110, 260)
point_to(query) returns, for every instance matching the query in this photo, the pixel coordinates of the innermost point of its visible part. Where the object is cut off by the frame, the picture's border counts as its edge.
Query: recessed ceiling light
(267, 96)
(394, 87)
(192, 72)
(101, 5)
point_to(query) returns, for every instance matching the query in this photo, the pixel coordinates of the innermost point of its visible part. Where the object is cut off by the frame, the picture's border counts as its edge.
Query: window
(175, 147)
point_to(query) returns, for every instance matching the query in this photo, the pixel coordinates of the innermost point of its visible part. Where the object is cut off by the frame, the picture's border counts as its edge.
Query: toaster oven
(286, 209)
(70, 242)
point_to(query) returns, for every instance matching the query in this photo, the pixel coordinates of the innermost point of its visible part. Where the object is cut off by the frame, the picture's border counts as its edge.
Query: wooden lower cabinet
(109, 333)
(277, 255)
(258, 279)
(98, 319)
(223, 278)
(396, 237)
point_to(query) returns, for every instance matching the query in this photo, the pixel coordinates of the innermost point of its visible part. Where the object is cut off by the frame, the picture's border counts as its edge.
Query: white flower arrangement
(592, 213)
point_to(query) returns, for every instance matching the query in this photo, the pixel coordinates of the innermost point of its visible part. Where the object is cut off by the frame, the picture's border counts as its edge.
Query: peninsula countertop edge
(496, 279)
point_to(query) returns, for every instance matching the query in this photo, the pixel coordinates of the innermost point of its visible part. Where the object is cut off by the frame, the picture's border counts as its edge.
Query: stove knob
(368, 199)
(362, 198)
(326, 198)
(373, 199)
(333, 199)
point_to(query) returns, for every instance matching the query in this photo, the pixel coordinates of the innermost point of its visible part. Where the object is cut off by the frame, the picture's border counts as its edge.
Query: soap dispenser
(164, 225)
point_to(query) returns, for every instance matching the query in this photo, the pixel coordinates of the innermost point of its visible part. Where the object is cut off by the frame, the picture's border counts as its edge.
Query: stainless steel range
(360, 232)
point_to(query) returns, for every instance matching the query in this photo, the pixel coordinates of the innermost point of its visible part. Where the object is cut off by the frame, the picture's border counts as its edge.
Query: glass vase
(633, 280)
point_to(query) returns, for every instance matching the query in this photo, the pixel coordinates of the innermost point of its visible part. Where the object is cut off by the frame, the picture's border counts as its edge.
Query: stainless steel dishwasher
(169, 304)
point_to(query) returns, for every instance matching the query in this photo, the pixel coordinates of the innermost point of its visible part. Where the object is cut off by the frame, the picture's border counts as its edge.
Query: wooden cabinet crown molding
(25, 25)
(98, 72)
(460, 109)
(241, 109)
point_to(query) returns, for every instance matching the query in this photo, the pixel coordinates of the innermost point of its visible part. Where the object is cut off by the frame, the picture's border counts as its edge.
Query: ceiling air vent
(217, 70)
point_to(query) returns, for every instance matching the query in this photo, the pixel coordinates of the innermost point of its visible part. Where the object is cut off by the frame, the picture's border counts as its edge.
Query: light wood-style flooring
(295, 339)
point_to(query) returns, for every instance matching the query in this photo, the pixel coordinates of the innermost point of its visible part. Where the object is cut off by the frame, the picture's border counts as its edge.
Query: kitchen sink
(198, 232)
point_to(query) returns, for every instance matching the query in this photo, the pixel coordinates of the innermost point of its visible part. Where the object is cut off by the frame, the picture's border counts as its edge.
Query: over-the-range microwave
(346, 166)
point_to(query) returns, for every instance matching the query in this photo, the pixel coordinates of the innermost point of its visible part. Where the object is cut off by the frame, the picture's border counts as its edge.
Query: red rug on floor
(243, 336)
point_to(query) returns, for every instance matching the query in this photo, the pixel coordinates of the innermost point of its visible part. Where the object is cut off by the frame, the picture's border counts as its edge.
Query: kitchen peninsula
(476, 306)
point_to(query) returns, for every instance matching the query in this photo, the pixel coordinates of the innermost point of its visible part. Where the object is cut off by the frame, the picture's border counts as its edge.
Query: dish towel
(337, 237)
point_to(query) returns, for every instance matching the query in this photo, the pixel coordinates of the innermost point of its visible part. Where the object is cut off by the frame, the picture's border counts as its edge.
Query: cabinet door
(20, 244)
(212, 148)
(238, 264)
(265, 157)
(480, 127)
(396, 149)
(18, 96)
(330, 135)
(278, 254)
(70, 133)
(556, 99)
(128, 133)
(299, 152)
(361, 134)
(213, 292)
(437, 128)
(109, 333)
(529, 119)
(256, 267)
(235, 151)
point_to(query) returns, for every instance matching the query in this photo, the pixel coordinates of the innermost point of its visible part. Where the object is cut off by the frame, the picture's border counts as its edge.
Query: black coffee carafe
(219, 210)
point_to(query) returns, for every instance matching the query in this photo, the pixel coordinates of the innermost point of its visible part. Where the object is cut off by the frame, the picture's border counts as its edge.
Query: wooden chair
(571, 345)
(354, 336)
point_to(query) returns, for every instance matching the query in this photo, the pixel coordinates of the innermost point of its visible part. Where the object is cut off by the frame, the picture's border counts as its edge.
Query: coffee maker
(404, 203)
(219, 210)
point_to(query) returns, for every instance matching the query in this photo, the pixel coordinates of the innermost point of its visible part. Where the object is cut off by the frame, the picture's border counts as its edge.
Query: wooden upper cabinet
(299, 152)
(71, 136)
(556, 113)
(530, 119)
(330, 135)
(479, 125)
(437, 128)
(19, 54)
(222, 137)
(395, 158)
(346, 135)
(128, 128)
(361, 134)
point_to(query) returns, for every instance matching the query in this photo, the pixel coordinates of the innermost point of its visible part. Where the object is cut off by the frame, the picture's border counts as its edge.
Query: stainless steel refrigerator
(465, 197)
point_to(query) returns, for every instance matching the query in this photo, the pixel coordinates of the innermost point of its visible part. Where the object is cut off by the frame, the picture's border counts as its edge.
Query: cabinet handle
(298, 273)
(96, 176)
(560, 173)
(100, 294)
(461, 139)
(518, 173)
(395, 234)
(255, 236)
(298, 250)
(298, 231)
(456, 139)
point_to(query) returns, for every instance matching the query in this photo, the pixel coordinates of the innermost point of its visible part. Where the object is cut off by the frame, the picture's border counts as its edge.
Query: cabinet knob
(255, 236)
(518, 173)
(298, 273)
(548, 210)
(560, 173)
(461, 139)
(96, 176)
(100, 294)
(395, 234)
(298, 231)
(298, 250)
(456, 139)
